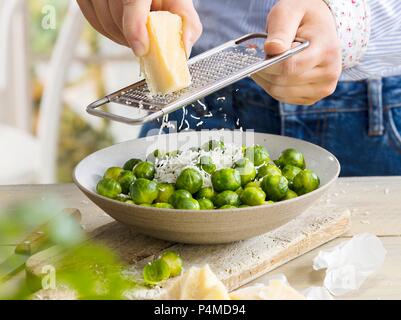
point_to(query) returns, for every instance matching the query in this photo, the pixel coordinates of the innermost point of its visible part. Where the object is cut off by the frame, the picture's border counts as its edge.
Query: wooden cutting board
(235, 264)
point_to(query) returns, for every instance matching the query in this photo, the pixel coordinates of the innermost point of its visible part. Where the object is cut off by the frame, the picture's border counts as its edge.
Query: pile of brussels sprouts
(167, 266)
(252, 180)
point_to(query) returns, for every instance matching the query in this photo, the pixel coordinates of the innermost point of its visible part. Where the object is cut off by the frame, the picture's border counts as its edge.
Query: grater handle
(93, 107)
(93, 110)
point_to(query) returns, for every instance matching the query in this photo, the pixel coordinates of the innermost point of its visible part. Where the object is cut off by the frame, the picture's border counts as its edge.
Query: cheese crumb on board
(165, 66)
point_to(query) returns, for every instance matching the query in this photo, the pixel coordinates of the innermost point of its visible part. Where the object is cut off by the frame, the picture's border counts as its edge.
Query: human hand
(312, 74)
(124, 21)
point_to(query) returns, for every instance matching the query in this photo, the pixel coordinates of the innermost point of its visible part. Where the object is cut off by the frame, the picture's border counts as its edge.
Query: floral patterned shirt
(353, 26)
(369, 30)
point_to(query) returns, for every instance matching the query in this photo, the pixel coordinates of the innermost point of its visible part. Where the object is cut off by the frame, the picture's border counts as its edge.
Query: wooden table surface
(375, 204)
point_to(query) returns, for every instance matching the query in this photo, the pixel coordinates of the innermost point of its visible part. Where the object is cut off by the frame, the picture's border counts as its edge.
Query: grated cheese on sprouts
(169, 168)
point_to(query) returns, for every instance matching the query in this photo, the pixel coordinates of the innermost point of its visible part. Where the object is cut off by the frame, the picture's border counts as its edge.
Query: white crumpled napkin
(350, 263)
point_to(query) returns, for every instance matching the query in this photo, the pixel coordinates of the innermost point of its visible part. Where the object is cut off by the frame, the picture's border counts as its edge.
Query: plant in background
(78, 138)
(43, 38)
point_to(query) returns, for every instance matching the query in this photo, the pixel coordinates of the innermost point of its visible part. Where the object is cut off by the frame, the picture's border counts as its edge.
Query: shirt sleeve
(353, 21)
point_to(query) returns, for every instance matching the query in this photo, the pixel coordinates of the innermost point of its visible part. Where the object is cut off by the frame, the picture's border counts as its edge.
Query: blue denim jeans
(360, 123)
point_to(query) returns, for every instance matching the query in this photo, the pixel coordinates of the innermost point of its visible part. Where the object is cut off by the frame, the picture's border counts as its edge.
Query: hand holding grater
(210, 72)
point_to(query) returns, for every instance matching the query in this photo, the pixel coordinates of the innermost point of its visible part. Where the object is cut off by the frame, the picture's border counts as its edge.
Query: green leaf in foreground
(94, 272)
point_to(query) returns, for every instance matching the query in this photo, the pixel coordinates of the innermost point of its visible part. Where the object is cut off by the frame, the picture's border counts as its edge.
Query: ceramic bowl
(204, 227)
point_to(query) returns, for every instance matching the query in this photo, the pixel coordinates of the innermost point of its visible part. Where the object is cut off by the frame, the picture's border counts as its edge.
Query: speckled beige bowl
(204, 227)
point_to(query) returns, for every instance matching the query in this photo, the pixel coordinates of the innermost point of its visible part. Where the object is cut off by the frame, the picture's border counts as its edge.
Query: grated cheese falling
(194, 117)
(182, 119)
(164, 124)
(187, 124)
(202, 105)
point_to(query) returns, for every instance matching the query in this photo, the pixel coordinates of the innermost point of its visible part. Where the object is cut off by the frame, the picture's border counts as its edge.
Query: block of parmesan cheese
(275, 290)
(198, 283)
(165, 65)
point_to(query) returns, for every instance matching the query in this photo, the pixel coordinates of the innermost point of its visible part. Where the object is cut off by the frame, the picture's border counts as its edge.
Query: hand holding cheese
(165, 65)
(124, 21)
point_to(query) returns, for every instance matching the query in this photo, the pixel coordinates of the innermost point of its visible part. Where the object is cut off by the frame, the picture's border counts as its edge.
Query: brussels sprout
(226, 179)
(174, 262)
(109, 188)
(112, 173)
(255, 184)
(156, 154)
(305, 181)
(275, 187)
(145, 170)
(131, 163)
(291, 157)
(270, 202)
(165, 192)
(206, 204)
(125, 179)
(143, 191)
(227, 206)
(290, 172)
(205, 193)
(290, 195)
(239, 191)
(178, 195)
(159, 153)
(207, 165)
(257, 154)
(189, 179)
(156, 272)
(146, 205)
(129, 201)
(213, 144)
(246, 169)
(268, 169)
(162, 205)
(253, 196)
(187, 204)
(226, 197)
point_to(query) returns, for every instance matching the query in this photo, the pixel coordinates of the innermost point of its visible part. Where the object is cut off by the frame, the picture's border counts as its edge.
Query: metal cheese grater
(210, 71)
